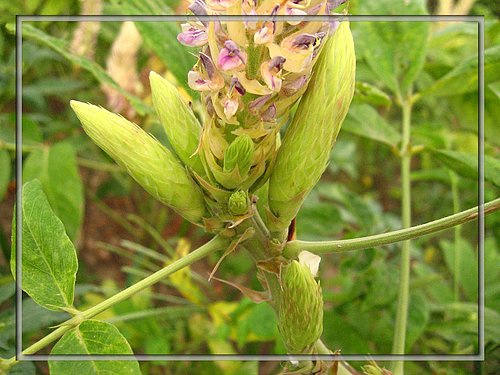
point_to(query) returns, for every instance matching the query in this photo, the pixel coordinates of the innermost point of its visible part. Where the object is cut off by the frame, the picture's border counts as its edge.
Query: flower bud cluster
(249, 74)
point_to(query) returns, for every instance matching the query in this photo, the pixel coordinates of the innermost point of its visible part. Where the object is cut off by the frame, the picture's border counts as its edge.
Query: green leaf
(318, 220)
(495, 88)
(467, 266)
(93, 337)
(464, 78)
(7, 291)
(4, 172)
(161, 37)
(59, 45)
(23, 368)
(366, 93)
(466, 164)
(364, 120)
(395, 51)
(49, 262)
(57, 170)
(418, 317)
(262, 321)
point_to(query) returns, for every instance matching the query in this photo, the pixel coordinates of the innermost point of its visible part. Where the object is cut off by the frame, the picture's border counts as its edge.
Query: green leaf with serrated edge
(4, 172)
(161, 37)
(395, 51)
(466, 164)
(93, 337)
(57, 170)
(49, 262)
(364, 120)
(60, 46)
(464, 77)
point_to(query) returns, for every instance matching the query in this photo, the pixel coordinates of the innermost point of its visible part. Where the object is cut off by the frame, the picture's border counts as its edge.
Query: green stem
(398, 345)
(458, 233)
(99, 166)
(215, 244)
(87, 163)
(321, 348)
(293, 248)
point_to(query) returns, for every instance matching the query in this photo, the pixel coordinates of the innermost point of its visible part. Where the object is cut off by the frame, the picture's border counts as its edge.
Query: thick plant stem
(398, 345)
(293, 248)
(217, 243)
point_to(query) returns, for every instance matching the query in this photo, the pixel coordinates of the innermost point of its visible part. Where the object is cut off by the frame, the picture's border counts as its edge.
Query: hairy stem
(398, 345)
(217, 243)
(293, 248)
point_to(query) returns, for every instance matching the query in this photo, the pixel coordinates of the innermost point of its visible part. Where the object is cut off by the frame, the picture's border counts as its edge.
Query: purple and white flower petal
(236, 85)
(292, 11)
(220, 5)
(230, 107)
(192, 36)
(269, 114)
(231, 57)
(265, 34)
(211, 81)
(199, 8)
(255, 105)
(289, 88)
(270, 72)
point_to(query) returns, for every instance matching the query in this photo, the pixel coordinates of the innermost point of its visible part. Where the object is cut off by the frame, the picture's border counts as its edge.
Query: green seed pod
(300, 308)
(238, 203)
(304, 153)
(239, 155)
(153, 166)
(180, 124)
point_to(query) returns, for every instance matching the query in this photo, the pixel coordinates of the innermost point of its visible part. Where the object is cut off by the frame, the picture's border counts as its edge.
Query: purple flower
(230, 107)
(199, 8)
(265, 34)
(211, 81)
(191, 36)
(293, 11)
(255, 105)
(303, 41)
(271, 72)
(236, 84)
(269, 114)
(291, 87)
(220, 5)
(230, 57)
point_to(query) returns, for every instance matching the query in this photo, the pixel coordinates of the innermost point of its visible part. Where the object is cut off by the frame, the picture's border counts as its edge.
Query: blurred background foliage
(122, 234)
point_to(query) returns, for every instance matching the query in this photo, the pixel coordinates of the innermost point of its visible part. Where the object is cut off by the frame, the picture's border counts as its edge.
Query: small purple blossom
(191, 36)
(269, 114)
(230, 57)
(291, 87)
(257, 104)
(270, 72)
(290, 11)
(236, 84)
(230, 107)
(303, 41)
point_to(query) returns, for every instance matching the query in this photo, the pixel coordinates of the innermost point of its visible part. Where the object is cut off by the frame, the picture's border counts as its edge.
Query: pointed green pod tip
(152, 165)
(178, 121)
(305, 150)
